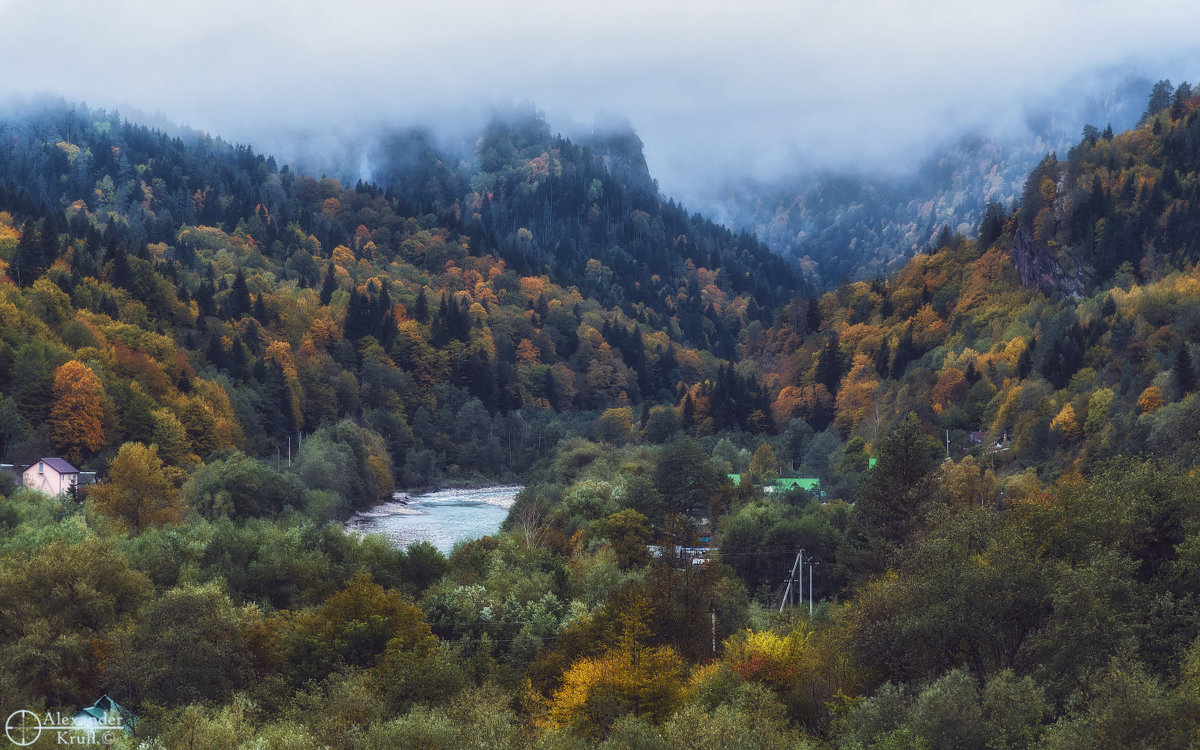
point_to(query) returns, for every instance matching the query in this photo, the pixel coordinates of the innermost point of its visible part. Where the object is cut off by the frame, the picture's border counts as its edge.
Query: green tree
(240, 486)
(56, 607)
(685, 477)
(170, 436)
(892, 496)
(185, 646)
(629, 533)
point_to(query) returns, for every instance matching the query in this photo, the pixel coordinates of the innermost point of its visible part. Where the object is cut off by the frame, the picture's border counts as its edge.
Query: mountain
(450, 311)
(590, 214)
(847, 224)
(1125, 201)
(1063, 333)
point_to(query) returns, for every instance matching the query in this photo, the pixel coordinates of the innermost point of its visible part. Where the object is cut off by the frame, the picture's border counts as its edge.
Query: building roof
(101, 708)
(736, 479)
(61, 465)
(804, 483)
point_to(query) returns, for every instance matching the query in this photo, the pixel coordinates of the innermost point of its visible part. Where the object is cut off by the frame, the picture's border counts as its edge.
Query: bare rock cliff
(1037, 266)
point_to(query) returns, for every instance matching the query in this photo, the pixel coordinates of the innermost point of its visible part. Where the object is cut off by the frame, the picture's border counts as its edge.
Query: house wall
(49, 481)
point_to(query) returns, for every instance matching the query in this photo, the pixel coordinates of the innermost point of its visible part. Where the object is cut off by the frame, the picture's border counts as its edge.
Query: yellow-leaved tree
(77, 414)
(764, 465)
(629, 678)
(138, 489)
(1066, 423)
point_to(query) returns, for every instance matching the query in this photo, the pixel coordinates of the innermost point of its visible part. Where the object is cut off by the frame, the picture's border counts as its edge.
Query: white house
(54, 476)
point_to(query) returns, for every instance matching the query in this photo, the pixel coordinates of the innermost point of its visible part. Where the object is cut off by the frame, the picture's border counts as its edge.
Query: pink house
(51, 475)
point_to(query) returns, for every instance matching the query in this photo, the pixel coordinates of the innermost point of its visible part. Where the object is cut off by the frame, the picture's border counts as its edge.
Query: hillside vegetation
(1005, 534)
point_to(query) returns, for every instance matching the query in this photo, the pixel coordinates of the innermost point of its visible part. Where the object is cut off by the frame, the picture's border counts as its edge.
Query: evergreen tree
(1025, 361)
(881, 359)
(1185, 376)
(1179, 100)
(890, 499)
(328, 285)
(238, 302)
(991, 226)
(120, 275)
(829, 365)
(48, 242)
(421, 307)
(1160, 99)
(26, 267)
(943, 238)
(687, 417)
(813, 317)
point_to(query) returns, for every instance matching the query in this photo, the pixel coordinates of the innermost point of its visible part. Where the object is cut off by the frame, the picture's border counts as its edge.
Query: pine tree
(1025, 361)
(238, 302)
(881, 359)
(1185, 376)
(421, 307)
(48, 243)
(328, 285)
(687, 416)
(25, 267)
(813, 318)
(829, 366)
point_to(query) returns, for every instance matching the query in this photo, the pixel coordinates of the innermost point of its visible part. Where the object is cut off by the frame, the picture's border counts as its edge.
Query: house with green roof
(105, 713)
(787, 484)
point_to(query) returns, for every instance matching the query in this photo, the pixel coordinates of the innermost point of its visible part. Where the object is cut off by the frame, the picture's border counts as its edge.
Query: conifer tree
(1185, 376)
(328, 285)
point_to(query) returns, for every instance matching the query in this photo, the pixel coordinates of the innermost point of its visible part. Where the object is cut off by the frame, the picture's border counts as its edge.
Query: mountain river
(443, 518)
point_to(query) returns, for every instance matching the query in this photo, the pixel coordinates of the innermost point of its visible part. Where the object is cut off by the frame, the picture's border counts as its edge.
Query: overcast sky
(713, 88)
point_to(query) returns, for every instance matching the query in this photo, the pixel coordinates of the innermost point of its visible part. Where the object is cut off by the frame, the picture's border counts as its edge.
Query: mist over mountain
(855, 223)
(839, 217)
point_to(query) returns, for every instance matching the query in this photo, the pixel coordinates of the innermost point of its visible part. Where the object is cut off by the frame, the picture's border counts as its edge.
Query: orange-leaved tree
(77, 413)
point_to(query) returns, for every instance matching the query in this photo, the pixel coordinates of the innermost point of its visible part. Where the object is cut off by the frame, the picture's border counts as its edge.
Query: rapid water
(441, 518)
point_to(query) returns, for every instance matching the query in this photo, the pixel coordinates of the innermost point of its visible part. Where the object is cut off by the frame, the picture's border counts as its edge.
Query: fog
(715, 90)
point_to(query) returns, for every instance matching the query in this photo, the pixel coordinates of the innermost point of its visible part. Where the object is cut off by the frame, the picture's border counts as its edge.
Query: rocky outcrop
(1037, 266)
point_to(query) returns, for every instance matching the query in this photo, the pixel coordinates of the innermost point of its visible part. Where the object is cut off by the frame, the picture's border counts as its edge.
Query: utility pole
(713, 612)
(812, 566)
(793, 577)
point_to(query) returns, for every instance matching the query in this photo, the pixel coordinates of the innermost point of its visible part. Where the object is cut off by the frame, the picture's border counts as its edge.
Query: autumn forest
(996, 436)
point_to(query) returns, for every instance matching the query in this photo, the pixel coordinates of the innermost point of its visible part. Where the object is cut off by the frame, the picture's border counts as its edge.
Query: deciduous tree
(77, 413)
(137, 489)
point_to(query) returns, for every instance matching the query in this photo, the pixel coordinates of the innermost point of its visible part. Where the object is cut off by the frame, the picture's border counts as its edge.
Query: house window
(41, 467)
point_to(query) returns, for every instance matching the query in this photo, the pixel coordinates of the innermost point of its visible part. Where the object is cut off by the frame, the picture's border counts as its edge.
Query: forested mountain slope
(1060, 332)
(1015, 569)
(220, 301)
(848, 224)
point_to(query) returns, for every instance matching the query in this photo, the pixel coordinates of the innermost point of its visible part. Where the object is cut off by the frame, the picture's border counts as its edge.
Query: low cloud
(714, 89)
